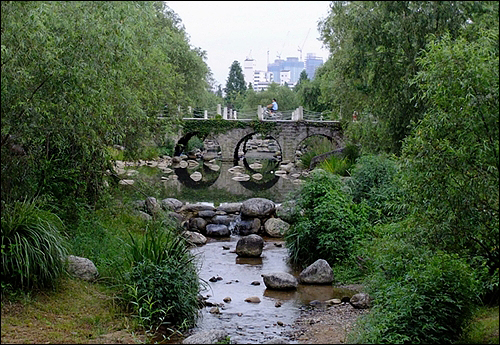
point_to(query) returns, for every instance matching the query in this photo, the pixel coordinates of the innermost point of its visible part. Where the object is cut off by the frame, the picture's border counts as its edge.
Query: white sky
(234, 30)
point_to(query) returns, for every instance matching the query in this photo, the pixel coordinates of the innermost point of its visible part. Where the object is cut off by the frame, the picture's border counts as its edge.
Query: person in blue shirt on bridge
(273, 107)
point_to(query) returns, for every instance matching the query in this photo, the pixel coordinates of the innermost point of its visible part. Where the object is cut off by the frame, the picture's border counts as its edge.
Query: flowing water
(252, 323)
(245, 323)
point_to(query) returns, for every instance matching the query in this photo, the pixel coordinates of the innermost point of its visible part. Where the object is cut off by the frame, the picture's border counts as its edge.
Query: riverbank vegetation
(413, 215)
(425, 240)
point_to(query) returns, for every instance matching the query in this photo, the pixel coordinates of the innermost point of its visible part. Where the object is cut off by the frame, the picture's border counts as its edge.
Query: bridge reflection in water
(220, 186)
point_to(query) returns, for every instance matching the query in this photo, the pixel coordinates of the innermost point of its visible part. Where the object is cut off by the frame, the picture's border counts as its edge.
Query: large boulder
(195, 238)
(191, 210)
(152, 205)
(257, 208)
(217, 230)
(361, 301)
(197, 224)
(250, 246)
(225, 219)
(318, 272)
(171, 204)
(82, 268)
(212, 336)
(276, 227)
(230, 207)
(280, 281)
(246, 227)
(206, 214)
(286, 211)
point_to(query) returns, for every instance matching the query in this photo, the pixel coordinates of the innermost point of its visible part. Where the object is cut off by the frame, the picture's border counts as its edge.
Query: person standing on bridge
(273, 107)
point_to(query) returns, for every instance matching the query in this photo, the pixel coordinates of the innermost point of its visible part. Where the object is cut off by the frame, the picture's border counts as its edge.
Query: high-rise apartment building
(312, 63)
(275, 68)
(248, 70)
(280, 71)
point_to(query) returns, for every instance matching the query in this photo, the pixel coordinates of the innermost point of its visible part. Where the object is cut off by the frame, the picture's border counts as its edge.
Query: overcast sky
(235, 30)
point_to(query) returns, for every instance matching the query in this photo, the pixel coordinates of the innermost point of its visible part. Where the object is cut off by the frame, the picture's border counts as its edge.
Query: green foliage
(78, 77)
(34, 248)
(194, 143)
(419, 296)
(314, 146)
(328, 224)
(373, 46)
(483, 329)
(162, 285)
(374, 182)
(371, 136)
(99, 237)
(235, 84)
(454, 151)
(226, 340)
(250, 100)
(336, 165)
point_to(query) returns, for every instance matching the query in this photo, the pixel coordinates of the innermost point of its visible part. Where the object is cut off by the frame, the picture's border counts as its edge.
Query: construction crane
(279, 53)
(300, 48)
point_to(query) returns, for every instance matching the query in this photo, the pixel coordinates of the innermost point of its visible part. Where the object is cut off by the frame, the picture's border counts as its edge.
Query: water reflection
(218, 185)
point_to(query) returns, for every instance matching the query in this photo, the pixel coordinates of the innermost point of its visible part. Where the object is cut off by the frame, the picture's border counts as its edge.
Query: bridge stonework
(288, 134)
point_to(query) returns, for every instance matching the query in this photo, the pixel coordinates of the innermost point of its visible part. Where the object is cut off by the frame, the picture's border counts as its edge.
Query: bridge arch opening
(261, 156)
(315, 145)
(202, 168)
(256, 147)
(193, 144)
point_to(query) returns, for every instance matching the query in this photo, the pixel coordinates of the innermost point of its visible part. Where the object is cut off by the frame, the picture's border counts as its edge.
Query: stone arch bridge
(288, 134)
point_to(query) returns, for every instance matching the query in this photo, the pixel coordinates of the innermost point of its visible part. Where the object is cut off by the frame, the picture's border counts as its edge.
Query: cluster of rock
(255, 216)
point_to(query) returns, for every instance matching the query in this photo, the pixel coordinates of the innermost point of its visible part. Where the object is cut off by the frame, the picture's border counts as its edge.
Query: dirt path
(326, 325)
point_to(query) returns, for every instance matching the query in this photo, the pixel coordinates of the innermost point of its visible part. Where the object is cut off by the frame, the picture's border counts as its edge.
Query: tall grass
(162, 283)
(314, 146)
(33, 246)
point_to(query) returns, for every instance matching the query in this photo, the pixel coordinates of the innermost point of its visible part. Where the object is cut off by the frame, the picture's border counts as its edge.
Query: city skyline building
(280, 71)
(312, 63)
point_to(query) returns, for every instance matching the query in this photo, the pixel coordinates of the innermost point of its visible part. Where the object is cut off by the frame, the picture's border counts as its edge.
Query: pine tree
(235, 82)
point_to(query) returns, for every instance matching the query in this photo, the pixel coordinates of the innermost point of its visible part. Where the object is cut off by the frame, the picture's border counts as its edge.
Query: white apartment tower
(248, 70)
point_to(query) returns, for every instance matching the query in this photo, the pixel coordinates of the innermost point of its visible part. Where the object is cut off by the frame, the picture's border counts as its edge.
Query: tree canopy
(79, 76)
(374, 46)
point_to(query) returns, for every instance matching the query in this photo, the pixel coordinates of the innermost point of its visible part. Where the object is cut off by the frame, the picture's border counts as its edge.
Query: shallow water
(258, 322)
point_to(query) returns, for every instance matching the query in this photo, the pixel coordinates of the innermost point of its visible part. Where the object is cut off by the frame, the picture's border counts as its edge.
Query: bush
(328, 223)
(33, 246)
(420, 296)
(314, 146)
(336, 165)
(374, 180)
(162, 284)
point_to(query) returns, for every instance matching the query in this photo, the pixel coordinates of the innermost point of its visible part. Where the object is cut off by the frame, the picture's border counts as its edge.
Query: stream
(244, 322)
(252, 323)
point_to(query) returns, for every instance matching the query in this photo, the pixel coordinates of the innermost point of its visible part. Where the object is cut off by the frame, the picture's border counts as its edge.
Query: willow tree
(373, 46)
(79, 76)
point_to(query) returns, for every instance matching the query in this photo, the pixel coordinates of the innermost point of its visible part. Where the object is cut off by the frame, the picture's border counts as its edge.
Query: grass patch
(483, 329)
(75, 312)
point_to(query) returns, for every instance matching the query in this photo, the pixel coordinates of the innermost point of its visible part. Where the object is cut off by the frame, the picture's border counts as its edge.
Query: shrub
(33, 246)
(328, 222)
(374, 180)
(420, 296)
(314, 146)
(336, 165)
(162, 284)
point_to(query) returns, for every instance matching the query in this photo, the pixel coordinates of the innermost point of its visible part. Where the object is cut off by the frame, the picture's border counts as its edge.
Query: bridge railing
(229, 114)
